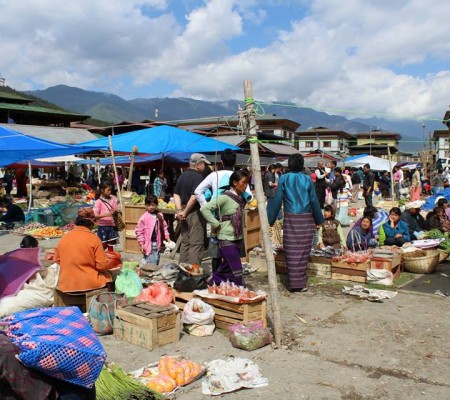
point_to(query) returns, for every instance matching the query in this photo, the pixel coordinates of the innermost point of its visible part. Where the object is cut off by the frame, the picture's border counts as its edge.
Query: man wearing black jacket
(368, 184)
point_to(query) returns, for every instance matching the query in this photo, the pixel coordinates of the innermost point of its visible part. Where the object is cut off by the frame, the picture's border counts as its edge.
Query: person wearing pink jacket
(105, 207)
(151, 230)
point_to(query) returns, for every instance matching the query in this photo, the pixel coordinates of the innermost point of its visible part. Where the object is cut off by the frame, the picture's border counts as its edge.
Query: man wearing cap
(83, 262)
(193, 224)
(416, 223)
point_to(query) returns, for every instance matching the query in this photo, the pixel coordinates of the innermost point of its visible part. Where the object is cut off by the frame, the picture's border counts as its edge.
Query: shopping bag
(102, 311)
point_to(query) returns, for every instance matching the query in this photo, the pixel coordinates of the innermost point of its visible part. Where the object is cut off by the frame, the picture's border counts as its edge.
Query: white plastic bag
(380, 277)
(198, 318)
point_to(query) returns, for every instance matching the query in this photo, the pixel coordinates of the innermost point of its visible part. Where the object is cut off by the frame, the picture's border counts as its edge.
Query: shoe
(301, 290)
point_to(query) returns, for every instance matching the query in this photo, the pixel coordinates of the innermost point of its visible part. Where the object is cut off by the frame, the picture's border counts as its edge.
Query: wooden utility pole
(130, 172)
(119, 190)
(256, 171)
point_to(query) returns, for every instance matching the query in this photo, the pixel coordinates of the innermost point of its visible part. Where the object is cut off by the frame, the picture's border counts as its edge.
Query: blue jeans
(154, 256)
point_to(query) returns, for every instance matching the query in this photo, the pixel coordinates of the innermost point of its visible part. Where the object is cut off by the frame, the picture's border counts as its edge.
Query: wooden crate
(252, 232)
(131, 245)
(133, 212)
(348, 274)
(319, 270)
(147, 329)
(393, 265)
(80, 299)
(228, 313)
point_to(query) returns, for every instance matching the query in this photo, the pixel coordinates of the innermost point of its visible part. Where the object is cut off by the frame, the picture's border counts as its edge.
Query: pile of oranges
(173, 372)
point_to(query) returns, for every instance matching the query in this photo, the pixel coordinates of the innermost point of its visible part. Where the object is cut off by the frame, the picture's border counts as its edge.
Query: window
(309, 144)
(327, 144)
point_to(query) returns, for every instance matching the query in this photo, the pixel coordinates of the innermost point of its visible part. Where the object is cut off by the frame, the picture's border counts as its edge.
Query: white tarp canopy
(376, 163)
(61, 159)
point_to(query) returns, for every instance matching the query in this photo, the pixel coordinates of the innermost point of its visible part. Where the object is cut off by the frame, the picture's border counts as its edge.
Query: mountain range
(114, 109)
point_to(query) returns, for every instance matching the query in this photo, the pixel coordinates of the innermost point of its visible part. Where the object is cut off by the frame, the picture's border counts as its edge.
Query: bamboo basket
(443, 255)
(422, 265)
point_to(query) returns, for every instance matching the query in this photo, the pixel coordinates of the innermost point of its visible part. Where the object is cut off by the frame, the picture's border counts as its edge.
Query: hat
(199, 157)
(86, 213)
(413, 204)
(438, 198)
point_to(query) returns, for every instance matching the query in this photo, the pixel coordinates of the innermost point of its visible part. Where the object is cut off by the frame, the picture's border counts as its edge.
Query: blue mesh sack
(58, 342)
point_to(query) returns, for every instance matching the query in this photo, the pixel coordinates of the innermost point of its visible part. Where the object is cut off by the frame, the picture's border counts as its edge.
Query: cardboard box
(390, 264)
(150, 330)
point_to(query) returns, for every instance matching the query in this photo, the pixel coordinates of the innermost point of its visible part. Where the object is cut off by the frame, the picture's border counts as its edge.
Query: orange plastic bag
(159, 293)
(114, 259)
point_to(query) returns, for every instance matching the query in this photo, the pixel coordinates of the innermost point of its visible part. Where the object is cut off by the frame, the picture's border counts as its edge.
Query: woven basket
(443, 255)
(422, 265)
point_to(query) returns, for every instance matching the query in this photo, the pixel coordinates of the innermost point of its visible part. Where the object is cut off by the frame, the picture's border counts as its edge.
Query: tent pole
(115, 173)
(130, 172)
(392, 176)
(31, 187)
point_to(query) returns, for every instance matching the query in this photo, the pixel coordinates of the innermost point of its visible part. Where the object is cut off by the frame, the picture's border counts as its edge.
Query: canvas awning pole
(115, 173)
(392, 176)
(252, 138)
(31, 187)
(130, 172)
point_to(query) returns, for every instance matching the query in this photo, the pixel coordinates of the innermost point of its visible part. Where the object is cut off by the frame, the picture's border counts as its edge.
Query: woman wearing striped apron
(302, 213)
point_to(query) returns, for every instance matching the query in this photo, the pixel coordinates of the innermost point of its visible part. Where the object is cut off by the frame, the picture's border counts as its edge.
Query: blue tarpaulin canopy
(176, 158)
(162, 139)
(15, 146)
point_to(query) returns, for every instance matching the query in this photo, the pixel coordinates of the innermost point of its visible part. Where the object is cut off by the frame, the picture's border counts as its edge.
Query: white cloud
(352, 55)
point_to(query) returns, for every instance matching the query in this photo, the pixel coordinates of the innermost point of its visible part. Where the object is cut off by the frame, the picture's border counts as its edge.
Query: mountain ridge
(113, 108)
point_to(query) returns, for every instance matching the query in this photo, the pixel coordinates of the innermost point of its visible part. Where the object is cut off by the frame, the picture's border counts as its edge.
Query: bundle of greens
(445, 245)
(114, 383)
(435, 234)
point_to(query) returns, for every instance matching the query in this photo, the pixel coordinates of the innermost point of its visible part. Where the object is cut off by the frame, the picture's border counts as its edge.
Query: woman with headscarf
(297, 194)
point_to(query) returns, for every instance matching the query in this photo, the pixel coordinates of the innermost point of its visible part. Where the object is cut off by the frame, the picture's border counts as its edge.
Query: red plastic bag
(114, 259)
(159, 293)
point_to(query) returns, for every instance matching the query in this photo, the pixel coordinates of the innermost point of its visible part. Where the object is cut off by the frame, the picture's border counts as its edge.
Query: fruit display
(174, 372)
(47, 232)
(137, 199)
(24, 230)
(353, 257)
(232, 293)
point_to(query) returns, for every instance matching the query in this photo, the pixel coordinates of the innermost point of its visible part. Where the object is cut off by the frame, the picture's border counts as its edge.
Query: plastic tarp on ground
(376, 163)
(15, 147)
(430, 201)
(162, 139)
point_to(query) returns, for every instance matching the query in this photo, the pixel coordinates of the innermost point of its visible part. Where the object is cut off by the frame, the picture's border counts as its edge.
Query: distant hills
(112, 108)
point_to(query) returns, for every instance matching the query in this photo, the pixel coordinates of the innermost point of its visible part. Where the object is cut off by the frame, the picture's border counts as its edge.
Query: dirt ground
(334, 346)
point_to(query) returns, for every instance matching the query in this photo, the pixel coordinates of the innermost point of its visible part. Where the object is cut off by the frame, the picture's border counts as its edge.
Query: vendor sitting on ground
(330, 231)
(442, 202)
(83, 262)
(377, 217)
(11, 212)
(360, 237)
(416, 223)
(435, 219)
(394, 232)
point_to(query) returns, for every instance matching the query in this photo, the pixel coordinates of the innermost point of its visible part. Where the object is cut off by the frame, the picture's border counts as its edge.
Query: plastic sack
(128, 282)
(159, 293)
(380, 277)
(186, 282)
(114, 259)
(198, 317)
(329, 200)
(59, 342)
(250, 336)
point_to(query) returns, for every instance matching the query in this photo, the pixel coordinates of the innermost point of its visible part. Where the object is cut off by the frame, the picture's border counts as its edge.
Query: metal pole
(256, 171)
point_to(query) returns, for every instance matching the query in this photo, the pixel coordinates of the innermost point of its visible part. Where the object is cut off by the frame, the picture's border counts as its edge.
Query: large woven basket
(422, 265)
(443, 255)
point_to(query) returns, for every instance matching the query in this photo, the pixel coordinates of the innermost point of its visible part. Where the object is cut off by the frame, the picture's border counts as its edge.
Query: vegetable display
(114, 383)
(435, 234)
(47, 232)
(353, 257)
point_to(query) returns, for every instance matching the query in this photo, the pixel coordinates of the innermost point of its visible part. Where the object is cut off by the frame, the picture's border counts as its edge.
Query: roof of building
(321, 131)
(13, 96)
(281, 149)
(41, 110)
(54, 134)
(441, 133)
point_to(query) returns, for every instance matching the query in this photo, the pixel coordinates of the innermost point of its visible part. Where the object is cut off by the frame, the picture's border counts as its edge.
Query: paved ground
(347, 349)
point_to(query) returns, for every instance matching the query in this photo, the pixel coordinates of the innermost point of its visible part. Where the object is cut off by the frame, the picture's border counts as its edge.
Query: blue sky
(377, 57)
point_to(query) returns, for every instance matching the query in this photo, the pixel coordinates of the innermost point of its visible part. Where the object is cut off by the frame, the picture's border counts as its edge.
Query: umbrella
(161, 140)
(16, 267)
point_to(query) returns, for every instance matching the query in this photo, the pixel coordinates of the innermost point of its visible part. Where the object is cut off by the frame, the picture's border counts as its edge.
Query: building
(376, 143)
(324, 139)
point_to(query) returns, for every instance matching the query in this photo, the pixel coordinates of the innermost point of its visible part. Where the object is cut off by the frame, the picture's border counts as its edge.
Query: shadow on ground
(430, 283)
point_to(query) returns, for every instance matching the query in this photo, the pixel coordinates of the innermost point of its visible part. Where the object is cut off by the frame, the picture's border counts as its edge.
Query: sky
(353, 57)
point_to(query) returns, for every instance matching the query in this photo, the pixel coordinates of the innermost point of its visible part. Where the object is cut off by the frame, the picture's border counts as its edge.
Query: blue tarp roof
(15, 146)
(182, 158)
(162, 139)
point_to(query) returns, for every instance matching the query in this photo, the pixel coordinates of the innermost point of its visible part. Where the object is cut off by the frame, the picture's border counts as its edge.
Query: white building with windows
(441, 139)
(325, 139)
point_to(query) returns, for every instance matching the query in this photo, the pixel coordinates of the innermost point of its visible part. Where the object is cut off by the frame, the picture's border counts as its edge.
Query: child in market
(105, 207)
(151, 230)
(342, 199)
(330, 231)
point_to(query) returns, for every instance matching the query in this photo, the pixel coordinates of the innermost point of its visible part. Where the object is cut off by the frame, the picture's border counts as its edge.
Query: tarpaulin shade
(16, 267)
(175, 158)
(376, 163)
(15, 147)
(162, 139)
